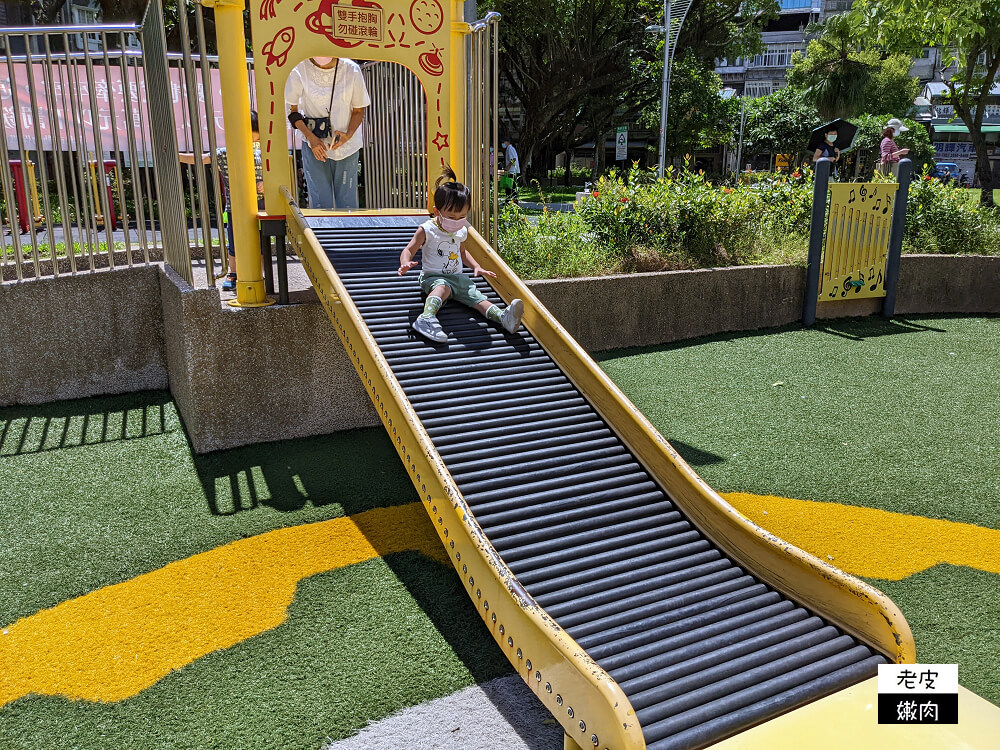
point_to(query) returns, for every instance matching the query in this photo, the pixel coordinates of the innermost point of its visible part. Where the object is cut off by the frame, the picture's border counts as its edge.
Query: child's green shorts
(463, 288)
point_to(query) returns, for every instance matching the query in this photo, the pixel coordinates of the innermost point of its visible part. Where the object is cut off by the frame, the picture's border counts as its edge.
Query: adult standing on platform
(327, 97)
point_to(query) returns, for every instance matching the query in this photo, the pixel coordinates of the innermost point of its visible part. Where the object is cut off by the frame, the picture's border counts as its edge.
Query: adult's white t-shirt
(513, 165)
(309, 87)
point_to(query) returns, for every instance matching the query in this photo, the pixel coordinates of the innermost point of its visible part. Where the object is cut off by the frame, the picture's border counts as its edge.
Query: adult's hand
(318, 147)
(340, 138)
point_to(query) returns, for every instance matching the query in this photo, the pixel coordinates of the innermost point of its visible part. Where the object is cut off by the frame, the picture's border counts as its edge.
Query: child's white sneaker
(429, 327)
(511, 317)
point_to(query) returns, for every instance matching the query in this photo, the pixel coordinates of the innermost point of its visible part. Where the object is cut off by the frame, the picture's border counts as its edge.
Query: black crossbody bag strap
(336, 72)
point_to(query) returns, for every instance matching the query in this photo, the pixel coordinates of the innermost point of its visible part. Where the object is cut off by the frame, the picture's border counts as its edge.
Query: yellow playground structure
(641, 608)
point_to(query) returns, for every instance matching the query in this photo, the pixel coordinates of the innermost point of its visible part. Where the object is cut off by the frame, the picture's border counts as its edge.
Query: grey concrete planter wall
(249, 376)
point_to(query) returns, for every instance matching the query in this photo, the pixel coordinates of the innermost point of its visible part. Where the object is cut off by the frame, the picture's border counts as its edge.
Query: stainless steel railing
(481, 124)
(79, 187)
(395, 126)
(394, 170)
(90, 178)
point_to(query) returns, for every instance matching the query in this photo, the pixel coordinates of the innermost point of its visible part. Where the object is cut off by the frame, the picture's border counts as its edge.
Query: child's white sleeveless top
(441, 252)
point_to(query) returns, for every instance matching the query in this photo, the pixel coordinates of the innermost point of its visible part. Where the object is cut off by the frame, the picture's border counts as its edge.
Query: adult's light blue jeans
(331, 184)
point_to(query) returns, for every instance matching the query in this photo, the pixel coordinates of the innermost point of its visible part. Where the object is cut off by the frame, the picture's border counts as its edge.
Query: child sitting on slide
(442, 241)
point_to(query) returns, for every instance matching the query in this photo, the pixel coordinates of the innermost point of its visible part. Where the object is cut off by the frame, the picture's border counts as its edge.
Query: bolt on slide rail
(641, 608)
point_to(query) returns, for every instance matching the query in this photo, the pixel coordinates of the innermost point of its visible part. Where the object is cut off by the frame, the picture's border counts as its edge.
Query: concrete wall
(250, 376)
(947, 284)
(656, 308)
(78, 336)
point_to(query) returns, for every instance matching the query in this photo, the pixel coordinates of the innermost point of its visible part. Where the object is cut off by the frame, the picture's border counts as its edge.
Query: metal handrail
(129, 52)
(110, 28)
(491, 17)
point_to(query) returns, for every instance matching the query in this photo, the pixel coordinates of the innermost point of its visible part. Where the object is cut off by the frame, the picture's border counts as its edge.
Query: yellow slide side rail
(589, 705)
(856, 607)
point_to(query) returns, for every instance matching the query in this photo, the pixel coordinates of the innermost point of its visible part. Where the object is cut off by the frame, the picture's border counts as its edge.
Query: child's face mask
(451, 225)
(322, 61)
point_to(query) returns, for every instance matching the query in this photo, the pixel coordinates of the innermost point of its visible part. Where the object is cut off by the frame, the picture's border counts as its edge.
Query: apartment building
(786, 35)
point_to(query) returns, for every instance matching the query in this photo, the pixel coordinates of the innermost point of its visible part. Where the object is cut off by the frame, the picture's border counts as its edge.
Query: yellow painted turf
(868, 542)
(112, 643)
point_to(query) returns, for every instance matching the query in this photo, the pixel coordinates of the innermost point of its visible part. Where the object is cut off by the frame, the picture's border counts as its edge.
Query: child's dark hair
(449, 193)
(254, 125)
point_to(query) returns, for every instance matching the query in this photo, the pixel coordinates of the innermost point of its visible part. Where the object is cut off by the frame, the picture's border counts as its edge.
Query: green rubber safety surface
(360, 643)
(900, 415)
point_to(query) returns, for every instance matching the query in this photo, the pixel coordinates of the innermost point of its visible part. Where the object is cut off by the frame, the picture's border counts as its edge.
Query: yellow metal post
(239, 151)
(459, 31)
(98, 216)
(39, 219)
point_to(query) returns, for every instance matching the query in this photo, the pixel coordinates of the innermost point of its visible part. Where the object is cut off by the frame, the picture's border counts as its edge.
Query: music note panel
(857, 241)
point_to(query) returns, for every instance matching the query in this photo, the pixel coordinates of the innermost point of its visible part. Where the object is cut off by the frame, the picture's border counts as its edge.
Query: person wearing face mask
(441, 241)
(826, 148)
(327, 97)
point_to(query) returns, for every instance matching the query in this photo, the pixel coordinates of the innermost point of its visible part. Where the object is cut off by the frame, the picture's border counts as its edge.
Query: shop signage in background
(621, 143)
(962, 155)
(991, 112)
(783, 161)
(954, 150)
(918, 694)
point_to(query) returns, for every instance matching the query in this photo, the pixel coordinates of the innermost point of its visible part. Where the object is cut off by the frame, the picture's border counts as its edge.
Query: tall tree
(968, 34)
(779, 123)
(832, 74)
(45, 11)
(843, 74)
(713, 30)
(699, 118)
(718, 29)
(567, 63)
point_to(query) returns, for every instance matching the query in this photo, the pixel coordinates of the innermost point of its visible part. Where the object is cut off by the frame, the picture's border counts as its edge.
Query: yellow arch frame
(426, 36)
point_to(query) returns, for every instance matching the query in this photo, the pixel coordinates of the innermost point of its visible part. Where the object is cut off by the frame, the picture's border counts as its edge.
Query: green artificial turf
(99, 491)
(902, 415)
(360, 643)
(955, 615)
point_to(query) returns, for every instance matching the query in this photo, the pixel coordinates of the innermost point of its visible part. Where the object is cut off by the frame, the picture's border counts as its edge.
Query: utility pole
(671, 28)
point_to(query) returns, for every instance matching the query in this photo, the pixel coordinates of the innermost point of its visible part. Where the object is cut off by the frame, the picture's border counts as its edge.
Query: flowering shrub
(690, 221)
(944, 219)
(635, 222)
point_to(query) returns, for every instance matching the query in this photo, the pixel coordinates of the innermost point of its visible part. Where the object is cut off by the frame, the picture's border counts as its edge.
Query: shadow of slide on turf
(357, 469)
(439, 592)
(93, 421)
(695, 456)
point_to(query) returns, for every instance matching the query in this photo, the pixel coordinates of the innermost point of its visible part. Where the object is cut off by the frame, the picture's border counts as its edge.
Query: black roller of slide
(702, 648)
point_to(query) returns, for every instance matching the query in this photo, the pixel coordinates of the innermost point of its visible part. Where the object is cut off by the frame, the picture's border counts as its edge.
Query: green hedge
(636, 222)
